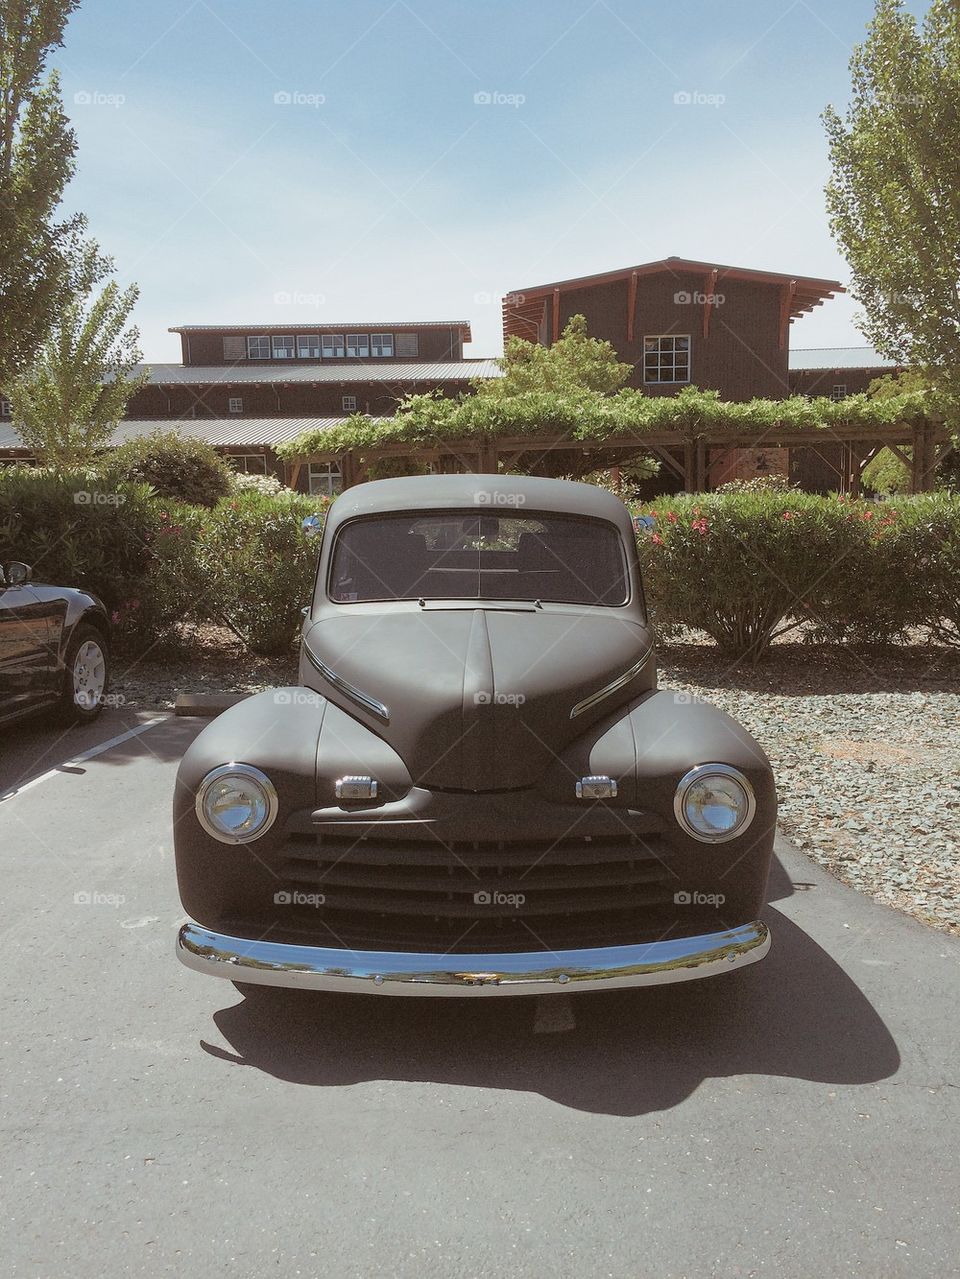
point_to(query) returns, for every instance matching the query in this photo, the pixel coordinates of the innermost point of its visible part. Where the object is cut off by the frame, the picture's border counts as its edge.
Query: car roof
(489, 494)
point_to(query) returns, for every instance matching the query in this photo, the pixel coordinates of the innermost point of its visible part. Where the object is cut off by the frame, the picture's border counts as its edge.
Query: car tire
(86, 675)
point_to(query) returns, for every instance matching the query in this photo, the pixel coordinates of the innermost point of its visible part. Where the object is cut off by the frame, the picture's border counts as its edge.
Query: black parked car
(54, 648)
(476, 787)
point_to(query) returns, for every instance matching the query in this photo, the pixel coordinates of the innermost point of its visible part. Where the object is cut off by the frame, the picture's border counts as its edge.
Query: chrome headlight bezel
(697, 775)
(251, 775)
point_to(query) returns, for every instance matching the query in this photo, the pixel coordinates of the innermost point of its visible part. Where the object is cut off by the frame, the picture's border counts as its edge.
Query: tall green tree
(67, 404)
(894, 193)
(41, 257)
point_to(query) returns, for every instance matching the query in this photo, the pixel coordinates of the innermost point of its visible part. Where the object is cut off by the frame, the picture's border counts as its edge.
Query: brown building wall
(814, 382)
(281, 400)
(206, 348)
(741, 358)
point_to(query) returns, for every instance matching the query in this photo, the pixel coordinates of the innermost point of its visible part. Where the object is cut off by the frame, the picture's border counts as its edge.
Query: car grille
(464, 896)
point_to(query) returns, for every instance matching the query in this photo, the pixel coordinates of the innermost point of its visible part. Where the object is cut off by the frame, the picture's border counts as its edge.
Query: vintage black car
(54, 648)
(476, 787)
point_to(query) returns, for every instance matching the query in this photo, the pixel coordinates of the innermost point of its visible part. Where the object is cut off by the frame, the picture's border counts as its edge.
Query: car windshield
(458, 555)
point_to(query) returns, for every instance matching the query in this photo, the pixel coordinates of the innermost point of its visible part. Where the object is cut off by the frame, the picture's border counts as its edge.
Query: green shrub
(922, 555)
(748, 566)
(113, 539)
(258, 565)
(177, 467)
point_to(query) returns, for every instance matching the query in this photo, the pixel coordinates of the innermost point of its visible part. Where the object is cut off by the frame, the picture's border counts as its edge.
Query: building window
(332, 344)
(248, 463)
(4, 408)
(258, 348)
(838, 391)
(323, 478)
(358, 346)
(308, 346)
(408, 344)
(235, 404)
(381, 344)
(349, 403)
(283, 348)
(666, 358)
(234, 349)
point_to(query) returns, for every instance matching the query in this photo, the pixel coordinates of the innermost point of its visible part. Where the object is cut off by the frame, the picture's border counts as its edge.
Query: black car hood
(478, 699)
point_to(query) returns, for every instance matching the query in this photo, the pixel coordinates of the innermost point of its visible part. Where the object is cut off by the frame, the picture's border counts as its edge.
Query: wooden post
(700, 464)
(487, 458)
(689, 467)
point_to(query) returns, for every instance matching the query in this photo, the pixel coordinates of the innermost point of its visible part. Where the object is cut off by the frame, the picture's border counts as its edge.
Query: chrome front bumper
(265, 963)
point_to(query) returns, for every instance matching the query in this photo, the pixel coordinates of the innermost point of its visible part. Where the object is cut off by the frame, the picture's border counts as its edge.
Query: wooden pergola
(688, 456)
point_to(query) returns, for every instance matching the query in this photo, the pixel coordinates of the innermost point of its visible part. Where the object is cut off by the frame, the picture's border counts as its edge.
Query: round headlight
(236, 803)
(714, 802)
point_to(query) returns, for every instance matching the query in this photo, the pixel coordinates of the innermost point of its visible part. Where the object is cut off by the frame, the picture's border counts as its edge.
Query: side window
(258, 348)
(358, 346)
(381, 344)
(332, 344)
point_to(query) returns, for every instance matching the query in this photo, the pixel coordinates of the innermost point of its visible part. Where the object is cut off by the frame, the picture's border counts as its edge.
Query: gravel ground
(865, 747)
(866, 753)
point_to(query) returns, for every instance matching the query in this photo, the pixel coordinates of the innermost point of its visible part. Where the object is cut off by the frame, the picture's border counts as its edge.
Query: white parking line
(81, 758)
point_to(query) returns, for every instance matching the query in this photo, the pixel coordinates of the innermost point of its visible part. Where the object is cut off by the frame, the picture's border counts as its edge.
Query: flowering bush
(268, 485)
(749, 566)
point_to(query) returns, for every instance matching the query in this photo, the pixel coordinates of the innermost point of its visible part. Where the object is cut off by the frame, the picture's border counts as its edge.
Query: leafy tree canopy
(42, 262)
(67, 404)
(894, 193)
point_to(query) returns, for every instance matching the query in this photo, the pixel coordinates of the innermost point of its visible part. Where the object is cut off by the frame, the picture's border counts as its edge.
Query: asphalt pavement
(801, 1117)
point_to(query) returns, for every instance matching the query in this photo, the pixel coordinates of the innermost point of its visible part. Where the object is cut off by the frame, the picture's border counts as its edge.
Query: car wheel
(87, 675)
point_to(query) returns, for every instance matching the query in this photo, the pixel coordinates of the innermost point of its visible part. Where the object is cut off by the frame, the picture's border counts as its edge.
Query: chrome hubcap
(89, 674)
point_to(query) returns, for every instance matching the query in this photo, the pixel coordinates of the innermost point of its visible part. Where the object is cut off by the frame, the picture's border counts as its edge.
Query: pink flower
(657, 539)
(788, 515)
(672, 516)
(701, 526)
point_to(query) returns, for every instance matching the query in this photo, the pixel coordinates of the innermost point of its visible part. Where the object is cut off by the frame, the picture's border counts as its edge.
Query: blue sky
(308, 161)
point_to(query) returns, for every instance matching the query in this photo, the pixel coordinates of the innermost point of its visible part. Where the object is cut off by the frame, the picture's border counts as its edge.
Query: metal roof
(235, 432)
(328, 371)
(840, 357)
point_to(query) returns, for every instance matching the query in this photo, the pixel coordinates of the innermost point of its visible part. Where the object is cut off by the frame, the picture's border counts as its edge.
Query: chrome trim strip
(705, 770)
(265, 963)
(612, 687)
(345, 687)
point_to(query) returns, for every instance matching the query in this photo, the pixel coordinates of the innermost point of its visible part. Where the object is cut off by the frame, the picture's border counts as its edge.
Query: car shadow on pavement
(796, 1015)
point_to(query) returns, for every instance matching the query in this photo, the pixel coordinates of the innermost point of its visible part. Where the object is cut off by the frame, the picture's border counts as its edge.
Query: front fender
(647, 749)
(303, 743)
